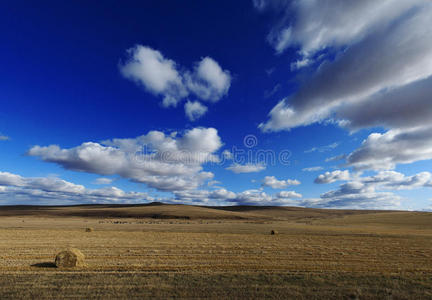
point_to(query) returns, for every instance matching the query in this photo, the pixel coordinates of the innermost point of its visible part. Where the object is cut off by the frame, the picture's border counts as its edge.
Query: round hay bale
(70, 258)
(273, 232)
(89, 229)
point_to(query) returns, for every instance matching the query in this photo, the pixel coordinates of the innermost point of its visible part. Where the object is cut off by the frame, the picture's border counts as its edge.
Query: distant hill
(176, 211)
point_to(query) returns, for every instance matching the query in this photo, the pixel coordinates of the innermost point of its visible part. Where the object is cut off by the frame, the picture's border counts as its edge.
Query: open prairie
(180, 251)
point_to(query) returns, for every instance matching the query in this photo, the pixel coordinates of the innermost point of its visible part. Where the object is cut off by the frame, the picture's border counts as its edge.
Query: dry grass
(335, 255)
(70, 258)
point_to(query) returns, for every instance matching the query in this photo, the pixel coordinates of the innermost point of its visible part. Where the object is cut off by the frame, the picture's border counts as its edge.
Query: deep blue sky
(61, 85)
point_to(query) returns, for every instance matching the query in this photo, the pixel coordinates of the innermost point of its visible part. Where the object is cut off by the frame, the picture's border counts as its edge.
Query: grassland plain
(178, 251)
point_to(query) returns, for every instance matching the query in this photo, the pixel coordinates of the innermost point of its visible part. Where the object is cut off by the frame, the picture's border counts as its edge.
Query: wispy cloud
(312, 169)
(323, 148)
(336, 158)
(103, 180)
(273, 91)
(246, 168)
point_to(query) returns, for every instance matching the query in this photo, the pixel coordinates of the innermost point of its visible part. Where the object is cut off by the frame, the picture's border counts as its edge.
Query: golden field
(180, 251)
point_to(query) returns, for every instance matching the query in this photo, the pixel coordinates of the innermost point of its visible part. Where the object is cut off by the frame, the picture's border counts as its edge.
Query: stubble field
(177, 251)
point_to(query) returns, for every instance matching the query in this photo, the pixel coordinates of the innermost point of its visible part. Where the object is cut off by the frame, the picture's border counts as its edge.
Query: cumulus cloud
(204, 197)
(358, 199)
(16, 189)
(384, 151)
(161, 161)
(356, 195)
(208, 81)
(271, 181)
(194, 110)
(398, 181)
(163, 77)
(383, 180)
(370, 192)
(329, 177)
(246, 168)
(288, 195)
(258, 197)
(159, 75)
(222, 196)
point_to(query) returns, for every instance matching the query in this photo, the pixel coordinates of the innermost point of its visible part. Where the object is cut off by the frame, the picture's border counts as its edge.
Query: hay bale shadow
(44, 265)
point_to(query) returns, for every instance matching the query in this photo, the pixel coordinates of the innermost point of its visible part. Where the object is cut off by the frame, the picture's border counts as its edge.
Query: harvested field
(315, 254)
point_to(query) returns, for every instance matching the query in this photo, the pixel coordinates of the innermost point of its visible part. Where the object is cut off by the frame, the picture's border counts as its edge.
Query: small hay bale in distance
(89, 229)
(70, 258)
(273, 232)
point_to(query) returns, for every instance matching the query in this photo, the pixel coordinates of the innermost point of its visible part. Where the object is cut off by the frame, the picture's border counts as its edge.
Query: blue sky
(140, 101)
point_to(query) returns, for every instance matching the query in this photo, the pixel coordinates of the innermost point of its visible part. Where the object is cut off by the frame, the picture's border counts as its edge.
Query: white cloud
(258, 197)
(274, 90)
(213, 182)
(270, 71)
(204, 197)
(224, 197)
(383, 180)
(161, 161)
(300, 64)
(336, 158)
(311, 30)
(246, 168)
(366, 192)
(208, 81)
(358, 199)
(4, 137)
(388, 58)
(360, 193)
(226, 154)
(16, 189)
(162, 76)
(194, 110)
(398, 181)
(329, 177)
(312, 169)
(259, 4)
(271, 181)
(403, 107)
(381, 76)
(323, 148)
(103, 180)
(156, 73)
(384, 151)
(288, 195)
(356, 195)
(282, 40)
